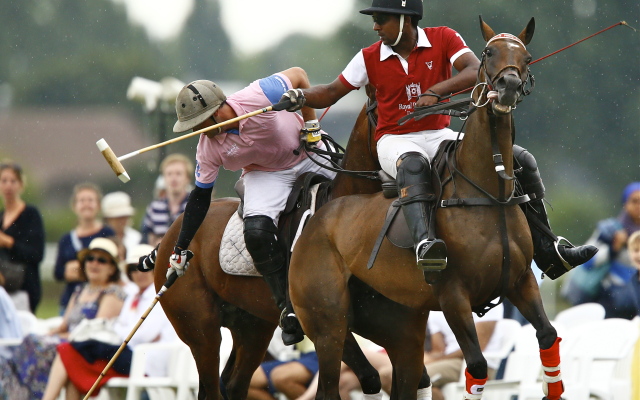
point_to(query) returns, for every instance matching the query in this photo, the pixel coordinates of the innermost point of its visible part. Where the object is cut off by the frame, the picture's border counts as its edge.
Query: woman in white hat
(117, 212)
(100, 296)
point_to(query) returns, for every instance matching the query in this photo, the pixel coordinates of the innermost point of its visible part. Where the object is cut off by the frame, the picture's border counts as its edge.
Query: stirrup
(431, 255)
(555, 246)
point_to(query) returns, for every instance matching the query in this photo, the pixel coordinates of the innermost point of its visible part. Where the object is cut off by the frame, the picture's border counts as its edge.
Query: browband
(507, 36)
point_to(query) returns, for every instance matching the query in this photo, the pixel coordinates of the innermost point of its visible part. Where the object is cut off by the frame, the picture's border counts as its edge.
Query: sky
(277, 19)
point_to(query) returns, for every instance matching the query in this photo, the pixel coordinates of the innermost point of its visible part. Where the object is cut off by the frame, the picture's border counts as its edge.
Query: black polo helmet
(401, 7)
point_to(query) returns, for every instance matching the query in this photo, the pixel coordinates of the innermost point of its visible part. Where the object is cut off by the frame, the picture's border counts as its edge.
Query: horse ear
(487, 32)
(527, 33)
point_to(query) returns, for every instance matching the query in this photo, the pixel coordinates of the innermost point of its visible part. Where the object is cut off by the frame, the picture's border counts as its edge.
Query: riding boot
(416, 197)
(268, 258)
(551, 257)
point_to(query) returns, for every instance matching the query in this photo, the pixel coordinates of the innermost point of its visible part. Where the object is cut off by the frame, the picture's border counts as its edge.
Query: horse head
(504, 67)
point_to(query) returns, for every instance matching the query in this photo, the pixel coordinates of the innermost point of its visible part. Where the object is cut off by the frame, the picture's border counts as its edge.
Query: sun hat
(104, 244)
(140, 250)
(117, 204)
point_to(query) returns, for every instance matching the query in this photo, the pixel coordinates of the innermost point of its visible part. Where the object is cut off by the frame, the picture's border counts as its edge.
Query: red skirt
(81, 373)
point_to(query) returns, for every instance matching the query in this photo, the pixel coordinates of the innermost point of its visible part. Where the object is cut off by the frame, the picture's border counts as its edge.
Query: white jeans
(391, 147)
(266, 193)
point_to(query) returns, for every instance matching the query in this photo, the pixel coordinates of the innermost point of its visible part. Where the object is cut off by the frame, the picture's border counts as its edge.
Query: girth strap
(483, 201)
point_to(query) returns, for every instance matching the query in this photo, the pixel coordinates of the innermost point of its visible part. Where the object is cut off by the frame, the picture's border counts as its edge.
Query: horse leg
(321, 281)
(356, 360)
(525, 295)
(400, 330)
(251, 337)
(457, 311)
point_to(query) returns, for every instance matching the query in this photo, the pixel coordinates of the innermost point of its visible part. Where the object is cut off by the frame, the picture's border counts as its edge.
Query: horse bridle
(527, 78)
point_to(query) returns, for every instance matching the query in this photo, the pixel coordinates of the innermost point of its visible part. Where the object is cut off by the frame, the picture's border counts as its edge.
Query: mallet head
(113, 161)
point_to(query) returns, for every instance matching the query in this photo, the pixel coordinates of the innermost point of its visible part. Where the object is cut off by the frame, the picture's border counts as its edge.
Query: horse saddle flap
(398, 231)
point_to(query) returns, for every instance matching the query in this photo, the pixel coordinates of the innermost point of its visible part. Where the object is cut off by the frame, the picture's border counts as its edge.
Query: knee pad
(262, 243)
(528, 174)
(525, 159)
(413, 168)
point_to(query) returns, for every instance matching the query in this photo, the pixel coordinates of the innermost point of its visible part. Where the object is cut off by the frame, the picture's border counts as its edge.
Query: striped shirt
(158, 217)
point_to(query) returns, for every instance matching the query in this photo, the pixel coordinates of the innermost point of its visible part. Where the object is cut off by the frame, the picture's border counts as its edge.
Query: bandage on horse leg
(552, 385)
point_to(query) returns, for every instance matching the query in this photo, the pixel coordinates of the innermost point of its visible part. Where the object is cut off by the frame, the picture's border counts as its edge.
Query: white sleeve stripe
(459, 53)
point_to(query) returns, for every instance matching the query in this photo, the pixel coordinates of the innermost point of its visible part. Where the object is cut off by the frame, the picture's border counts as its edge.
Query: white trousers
(266, 193)
(391, 147)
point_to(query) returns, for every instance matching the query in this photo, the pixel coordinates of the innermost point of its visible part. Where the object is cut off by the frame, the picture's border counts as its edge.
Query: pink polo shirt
(264, 142)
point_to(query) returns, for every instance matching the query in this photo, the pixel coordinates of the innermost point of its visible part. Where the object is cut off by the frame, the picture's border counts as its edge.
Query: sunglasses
(381, 19)
(100, 260)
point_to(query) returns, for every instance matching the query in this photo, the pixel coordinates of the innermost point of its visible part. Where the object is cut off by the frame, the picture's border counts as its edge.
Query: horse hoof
(431, 277)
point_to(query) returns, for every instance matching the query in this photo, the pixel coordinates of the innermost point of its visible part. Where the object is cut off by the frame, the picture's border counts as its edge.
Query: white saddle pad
(234, 257)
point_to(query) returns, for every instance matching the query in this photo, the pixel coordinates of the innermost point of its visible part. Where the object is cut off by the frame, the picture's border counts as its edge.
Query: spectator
(443, 360)
(10, 327)
(117, 212)
(77, 365)
(289, 375)
(22, 232)
(176, 170)
(85, 203)
(606, 278)
(633, 245)
(25, 373)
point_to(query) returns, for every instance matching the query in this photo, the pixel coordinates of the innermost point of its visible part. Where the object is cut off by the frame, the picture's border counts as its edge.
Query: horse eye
(488, 53)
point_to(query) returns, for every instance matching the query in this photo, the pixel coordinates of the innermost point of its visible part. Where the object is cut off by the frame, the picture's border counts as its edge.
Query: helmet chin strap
(400, 33)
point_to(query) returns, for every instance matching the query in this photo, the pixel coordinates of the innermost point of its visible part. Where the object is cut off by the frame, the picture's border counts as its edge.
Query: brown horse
(489, 249)
(206, 298)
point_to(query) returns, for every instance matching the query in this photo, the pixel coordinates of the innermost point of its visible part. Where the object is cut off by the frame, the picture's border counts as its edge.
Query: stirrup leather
(437, 260)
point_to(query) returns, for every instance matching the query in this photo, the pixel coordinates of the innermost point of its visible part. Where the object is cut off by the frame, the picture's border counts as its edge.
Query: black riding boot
(551, 257)
(260, 238)
(416, 196)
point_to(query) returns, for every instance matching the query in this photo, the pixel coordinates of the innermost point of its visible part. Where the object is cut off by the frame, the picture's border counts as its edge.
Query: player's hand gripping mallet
(116, 162)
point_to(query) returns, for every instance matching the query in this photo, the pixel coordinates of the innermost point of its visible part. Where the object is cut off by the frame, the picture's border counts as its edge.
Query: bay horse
(206, 298)
(489, 250)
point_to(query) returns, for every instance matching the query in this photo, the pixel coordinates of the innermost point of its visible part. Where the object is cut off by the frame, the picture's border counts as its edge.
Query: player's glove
(179, 261)
(296, 97)
(148, 262)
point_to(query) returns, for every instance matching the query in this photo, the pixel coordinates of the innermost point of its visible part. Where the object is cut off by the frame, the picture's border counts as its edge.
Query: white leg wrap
(377, 396)
(425, 394)
(468, 396)
(546, 379)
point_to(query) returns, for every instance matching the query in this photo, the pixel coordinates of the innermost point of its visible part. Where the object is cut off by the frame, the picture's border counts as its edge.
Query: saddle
(309, 192)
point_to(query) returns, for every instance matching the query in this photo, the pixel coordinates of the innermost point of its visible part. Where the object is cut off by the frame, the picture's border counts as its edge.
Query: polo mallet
(163, 289)
(116, 162)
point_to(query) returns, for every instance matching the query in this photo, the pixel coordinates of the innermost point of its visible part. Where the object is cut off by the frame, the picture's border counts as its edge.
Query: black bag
(12, 271)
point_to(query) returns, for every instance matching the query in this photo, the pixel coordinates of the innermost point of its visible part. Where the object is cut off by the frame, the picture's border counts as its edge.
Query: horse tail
(148, 262)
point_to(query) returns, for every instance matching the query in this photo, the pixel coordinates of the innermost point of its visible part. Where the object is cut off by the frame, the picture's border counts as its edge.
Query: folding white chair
(580, 314)
(594, 353)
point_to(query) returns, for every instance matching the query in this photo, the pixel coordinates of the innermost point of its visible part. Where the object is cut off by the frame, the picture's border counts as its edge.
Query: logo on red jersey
(429, 64)
(413, 90)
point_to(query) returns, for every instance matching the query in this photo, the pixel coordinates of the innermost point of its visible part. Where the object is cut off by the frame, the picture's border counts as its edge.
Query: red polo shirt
(398, 82)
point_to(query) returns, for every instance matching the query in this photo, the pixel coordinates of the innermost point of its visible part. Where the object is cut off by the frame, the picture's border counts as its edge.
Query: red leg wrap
(551, 359)
(474, 386)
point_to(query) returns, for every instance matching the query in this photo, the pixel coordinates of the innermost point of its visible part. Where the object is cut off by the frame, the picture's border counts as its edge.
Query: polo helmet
(401, 7)
(197, 102)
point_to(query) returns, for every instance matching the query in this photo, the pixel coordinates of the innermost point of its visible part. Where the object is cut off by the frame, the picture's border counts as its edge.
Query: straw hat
(117, 204)
(104, 244)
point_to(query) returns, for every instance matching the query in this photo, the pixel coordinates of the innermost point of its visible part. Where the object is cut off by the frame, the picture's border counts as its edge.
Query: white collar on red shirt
(387, 51)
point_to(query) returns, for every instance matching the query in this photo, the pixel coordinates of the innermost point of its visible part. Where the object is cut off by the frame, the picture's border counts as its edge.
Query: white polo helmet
(196, 102)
